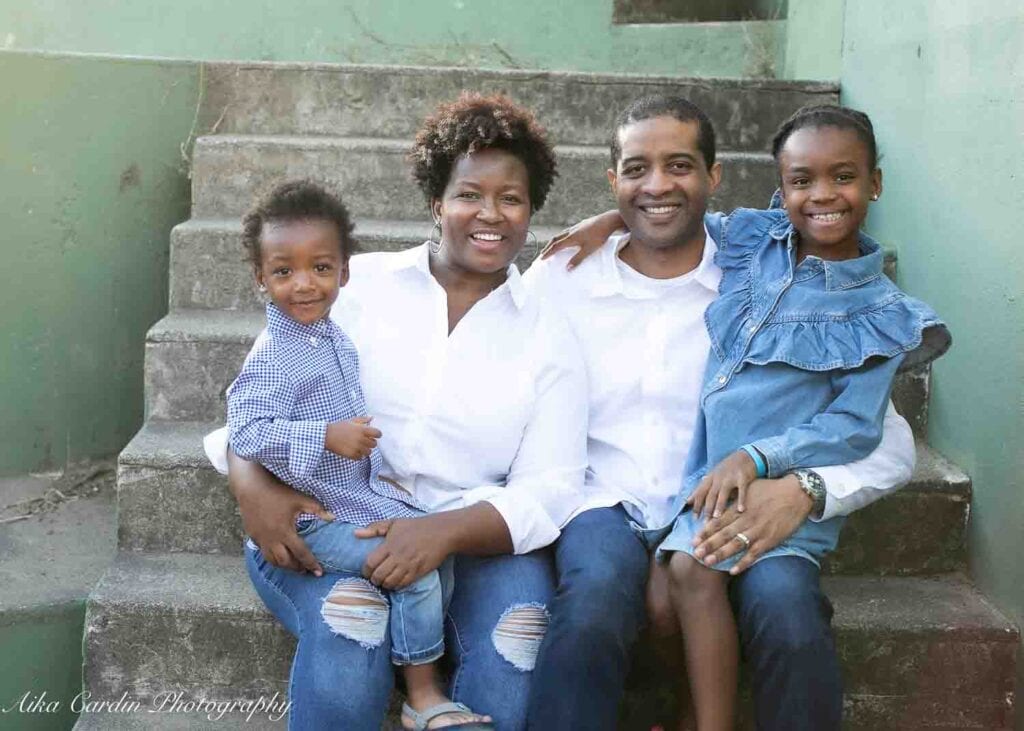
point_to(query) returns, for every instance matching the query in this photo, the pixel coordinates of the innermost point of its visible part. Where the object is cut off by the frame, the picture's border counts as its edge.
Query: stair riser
(576, 109)
(209, 271)
(897, 681)
(189, 509)
(374, 180)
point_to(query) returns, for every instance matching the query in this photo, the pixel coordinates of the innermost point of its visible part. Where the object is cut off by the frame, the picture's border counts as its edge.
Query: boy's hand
(354, 439)
(589, 234)
(733, 473)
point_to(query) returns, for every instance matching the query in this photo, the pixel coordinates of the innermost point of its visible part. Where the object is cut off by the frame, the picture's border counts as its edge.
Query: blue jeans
(337, 682)
(598, 610)
(784, 621)
(596, 615)
(416, 620)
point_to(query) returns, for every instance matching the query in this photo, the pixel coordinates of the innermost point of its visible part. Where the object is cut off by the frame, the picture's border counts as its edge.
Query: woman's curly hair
(475, 122)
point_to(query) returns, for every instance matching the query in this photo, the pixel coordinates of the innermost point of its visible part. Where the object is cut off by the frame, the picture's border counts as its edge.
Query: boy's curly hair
(475, 122)
(297, 200)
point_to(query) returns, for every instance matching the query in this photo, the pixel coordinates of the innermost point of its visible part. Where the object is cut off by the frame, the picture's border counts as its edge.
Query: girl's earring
(874, 196)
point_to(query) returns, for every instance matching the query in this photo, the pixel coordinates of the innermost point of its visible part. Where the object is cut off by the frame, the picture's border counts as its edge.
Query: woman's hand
(775, 509)
(732, 474)
(589, 234)
(412, 547)
(269, 509)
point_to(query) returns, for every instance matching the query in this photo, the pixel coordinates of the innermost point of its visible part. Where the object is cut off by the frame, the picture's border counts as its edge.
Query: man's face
(661, 182)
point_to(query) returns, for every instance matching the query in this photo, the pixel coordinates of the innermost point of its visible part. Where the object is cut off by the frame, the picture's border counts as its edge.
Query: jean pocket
(307, 526)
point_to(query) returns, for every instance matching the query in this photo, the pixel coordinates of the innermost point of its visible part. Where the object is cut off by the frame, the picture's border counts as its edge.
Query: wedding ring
(742, 538)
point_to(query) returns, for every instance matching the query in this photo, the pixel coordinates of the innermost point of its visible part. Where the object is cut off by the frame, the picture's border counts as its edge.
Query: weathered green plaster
(814, 40)
(91, 182)
(578, 35)
(944, 85)
(41, 667)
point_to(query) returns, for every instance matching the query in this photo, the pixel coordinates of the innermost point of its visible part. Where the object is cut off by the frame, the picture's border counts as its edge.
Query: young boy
(297, 408)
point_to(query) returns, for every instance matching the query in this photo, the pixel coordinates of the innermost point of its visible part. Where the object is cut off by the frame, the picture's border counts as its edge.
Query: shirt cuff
(215, 444)
(528, 523)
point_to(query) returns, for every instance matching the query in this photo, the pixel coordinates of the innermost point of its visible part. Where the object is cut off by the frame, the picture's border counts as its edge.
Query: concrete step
(209, 269)
(192, 356)
(576, 108)
(371, 175)
(171, 500)
(915, 652)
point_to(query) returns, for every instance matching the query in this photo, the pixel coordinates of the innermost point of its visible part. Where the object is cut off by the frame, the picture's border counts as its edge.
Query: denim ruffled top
(803, 356)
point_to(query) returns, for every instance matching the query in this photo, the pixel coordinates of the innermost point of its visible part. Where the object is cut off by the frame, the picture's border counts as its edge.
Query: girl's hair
(829, 115)
(297, 200)
(475, 122)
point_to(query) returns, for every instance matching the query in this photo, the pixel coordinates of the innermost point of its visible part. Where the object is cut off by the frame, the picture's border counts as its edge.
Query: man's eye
(632, 171)
(682, 166)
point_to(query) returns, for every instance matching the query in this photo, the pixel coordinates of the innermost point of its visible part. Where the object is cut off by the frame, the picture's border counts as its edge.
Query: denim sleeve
(260, 402)
(848, 430)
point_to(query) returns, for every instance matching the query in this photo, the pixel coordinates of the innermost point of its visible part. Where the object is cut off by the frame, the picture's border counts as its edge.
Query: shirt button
(751, 328)
(313, 341)
(721, 379)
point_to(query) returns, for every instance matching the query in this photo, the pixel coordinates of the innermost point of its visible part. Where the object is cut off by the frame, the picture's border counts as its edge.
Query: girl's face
(827, 183)
(484, 212)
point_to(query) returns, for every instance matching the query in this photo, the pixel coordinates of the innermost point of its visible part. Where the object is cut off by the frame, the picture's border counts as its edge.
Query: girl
(806, 338)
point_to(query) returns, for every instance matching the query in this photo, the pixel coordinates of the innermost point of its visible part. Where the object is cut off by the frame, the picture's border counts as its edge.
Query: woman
(481, 399)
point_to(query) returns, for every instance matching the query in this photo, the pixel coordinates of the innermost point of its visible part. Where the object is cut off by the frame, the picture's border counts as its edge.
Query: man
(637, 308)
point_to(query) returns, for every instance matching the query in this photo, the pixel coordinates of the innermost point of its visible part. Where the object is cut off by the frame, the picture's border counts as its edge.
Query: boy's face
(661, 182)
(301, 267)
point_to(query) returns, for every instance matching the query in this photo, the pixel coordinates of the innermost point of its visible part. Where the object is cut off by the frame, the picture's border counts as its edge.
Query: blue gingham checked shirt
(297, 379)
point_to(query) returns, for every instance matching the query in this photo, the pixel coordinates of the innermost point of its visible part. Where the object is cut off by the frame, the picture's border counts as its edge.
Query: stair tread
(217, 584)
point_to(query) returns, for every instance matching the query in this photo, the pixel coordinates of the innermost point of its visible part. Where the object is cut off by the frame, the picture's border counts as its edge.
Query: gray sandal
(420, 720)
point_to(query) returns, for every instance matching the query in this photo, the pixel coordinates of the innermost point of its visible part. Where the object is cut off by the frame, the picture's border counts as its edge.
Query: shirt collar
(847, 272)
(281, 325)
(609, 280)
(418, 258)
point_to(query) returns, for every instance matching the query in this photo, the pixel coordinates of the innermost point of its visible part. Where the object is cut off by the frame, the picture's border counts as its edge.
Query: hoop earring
(435, 246)
(536, 245)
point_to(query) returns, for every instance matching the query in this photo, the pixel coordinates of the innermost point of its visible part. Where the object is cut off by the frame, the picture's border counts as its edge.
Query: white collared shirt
(496, 411)
(645, 345)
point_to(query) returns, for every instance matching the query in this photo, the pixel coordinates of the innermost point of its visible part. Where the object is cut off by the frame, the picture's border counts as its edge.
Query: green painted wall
(944, 85)
(91, 181)
(814, 40)
(576, 35)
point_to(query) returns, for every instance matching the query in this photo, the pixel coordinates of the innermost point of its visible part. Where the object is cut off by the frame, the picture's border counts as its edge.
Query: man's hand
(774, 510)
(269, 509)
(411, 548)
(354, 439)
(589, 234)
(732, 474)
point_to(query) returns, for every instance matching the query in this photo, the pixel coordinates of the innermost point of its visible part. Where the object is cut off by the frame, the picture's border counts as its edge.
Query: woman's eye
(322, 268)
(512, 199)
(282, 272)
(468, 195)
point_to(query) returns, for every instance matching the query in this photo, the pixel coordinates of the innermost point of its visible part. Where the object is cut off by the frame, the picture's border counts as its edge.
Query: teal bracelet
(762, 468)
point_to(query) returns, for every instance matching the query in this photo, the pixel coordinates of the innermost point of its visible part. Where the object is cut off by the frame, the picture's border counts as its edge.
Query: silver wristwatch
(814, 485)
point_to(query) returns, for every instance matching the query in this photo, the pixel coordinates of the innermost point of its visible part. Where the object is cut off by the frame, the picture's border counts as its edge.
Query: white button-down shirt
(645, 346)
(496, 411)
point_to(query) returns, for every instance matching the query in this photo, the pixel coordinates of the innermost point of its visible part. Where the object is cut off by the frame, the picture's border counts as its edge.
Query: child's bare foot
(428, 708)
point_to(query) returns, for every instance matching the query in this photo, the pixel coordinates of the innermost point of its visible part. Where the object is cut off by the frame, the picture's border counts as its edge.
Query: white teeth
(660, 209)
(487, 237)
(827, 217)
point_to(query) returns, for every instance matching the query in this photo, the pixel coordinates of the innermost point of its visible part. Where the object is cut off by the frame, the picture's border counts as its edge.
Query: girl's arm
(847, 430)
(589, 234)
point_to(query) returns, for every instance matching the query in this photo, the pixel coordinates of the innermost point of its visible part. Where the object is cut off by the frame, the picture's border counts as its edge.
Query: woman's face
(484, 211)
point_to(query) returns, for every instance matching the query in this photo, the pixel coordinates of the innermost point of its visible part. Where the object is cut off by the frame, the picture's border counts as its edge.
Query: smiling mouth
(827, 217)
(665, 209)
(487, 240)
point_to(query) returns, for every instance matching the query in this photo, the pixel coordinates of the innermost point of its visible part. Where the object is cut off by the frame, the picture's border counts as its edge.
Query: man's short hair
(663, 105)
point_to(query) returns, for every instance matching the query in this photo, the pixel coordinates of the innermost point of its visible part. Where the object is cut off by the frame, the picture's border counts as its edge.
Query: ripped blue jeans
(494, 623)
(361, 612)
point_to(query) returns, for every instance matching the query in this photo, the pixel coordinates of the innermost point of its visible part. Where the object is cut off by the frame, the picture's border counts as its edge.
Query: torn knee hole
(356, 609)
(519, 632)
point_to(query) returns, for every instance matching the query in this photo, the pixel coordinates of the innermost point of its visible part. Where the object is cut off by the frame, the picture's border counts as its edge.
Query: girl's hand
(354, 439)
(732, 474)
(411, 548)
(589, 234)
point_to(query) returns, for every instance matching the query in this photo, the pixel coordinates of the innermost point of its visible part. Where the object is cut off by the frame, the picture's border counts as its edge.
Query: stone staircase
(921, 648)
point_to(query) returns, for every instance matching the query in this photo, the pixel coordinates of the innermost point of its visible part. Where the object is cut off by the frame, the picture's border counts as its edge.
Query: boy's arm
(259, 404)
